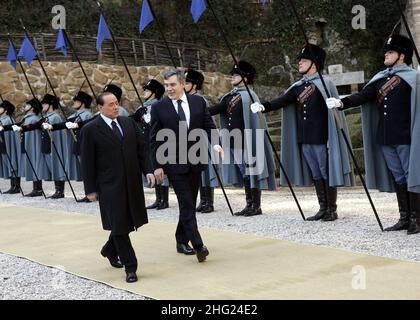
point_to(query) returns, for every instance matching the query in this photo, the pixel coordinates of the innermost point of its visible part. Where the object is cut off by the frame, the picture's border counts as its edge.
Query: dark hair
(100, 99)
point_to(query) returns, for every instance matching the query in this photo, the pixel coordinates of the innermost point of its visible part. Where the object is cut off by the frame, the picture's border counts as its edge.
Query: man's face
(390, 57)
(147, 94)
(27, 107)
(189, 87)
(111, 107)
(77, 104)
(2, 111)
(237, 80)
(45, 107)
(304, 65)
(174, 88)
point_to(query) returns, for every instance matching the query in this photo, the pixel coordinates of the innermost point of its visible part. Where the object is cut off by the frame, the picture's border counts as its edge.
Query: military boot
(322, 200)
(155, 204)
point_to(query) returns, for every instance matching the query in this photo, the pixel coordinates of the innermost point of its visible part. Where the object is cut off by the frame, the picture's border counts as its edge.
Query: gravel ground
(356, 230)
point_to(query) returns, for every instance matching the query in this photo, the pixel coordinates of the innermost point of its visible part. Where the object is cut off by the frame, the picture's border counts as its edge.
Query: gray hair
(174, 72)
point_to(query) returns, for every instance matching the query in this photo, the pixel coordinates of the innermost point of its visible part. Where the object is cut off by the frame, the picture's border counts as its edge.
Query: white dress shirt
(185, 107)
(109, 121)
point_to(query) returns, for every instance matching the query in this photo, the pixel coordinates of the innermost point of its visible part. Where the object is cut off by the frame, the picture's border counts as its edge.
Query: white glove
(147, 117)
(257, 107)
(1, 128)
(47, 126)
(219, 150)
(333, 103)
(418, 67)
(16, 128)
(71, 125)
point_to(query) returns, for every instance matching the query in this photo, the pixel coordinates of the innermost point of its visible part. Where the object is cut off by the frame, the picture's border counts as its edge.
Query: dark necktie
(116, 130)
(181, 113)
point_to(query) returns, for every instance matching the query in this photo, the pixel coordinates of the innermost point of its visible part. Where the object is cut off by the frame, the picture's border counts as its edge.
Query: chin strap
(399, 55)
(308, 68)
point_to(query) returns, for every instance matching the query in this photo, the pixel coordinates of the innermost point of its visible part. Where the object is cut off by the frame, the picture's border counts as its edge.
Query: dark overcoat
(113, 169)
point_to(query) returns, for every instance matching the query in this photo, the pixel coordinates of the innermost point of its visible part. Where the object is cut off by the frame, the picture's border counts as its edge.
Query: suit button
(388, 78)
(385, 106)
(384, 113)
(304, 118)
(304, 105)
(386, 98)
(304, 111)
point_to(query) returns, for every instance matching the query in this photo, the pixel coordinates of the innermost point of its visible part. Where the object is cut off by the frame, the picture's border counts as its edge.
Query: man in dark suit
(181, 113)
(114, 158)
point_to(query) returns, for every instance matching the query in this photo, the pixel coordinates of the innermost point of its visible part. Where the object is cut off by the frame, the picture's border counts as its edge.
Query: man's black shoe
(131, 277)
(184, 248)
(202, 254)
(113, 261)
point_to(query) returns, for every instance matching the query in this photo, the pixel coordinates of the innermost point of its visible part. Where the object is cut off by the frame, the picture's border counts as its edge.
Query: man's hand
(71, 125)
(1, 128)
(16, 128)
(47, 126)
(151, 180)
(333, 103)
(159, 174)
(147, 117)
(92, 196)
(219, 150)
(257, 107)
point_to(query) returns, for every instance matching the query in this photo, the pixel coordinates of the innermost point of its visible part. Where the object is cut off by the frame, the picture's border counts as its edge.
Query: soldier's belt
(387, 88)
(233, 103)
(306, 94)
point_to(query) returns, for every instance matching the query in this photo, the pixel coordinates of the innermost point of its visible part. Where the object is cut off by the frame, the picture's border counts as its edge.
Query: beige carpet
(239, 266)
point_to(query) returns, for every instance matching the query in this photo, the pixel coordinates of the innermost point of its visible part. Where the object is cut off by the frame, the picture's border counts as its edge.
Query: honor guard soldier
(10, 148)
(313, 150)
(235, 116)
(391, 130)
(153, 91)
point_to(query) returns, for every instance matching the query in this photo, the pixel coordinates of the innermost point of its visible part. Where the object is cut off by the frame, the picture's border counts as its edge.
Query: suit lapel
(171, 109)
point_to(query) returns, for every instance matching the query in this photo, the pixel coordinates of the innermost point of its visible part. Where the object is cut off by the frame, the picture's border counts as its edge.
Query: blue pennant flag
(61, 42)
(27, 51)
(103, 33)
(197, 9)
(146, 15)
(11, 55)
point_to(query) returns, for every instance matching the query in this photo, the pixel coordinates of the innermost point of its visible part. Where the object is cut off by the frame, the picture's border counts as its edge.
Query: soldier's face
(1, 111)
(174, 87)
(236, 80)
(77, 105)
(111, 107)
(45, 107)
(27, 107)
(188, 86)
(304, 65)
(391, 57)
(147, 94)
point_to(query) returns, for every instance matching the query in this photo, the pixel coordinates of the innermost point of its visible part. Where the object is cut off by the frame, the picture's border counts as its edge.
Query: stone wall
(67, 78)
